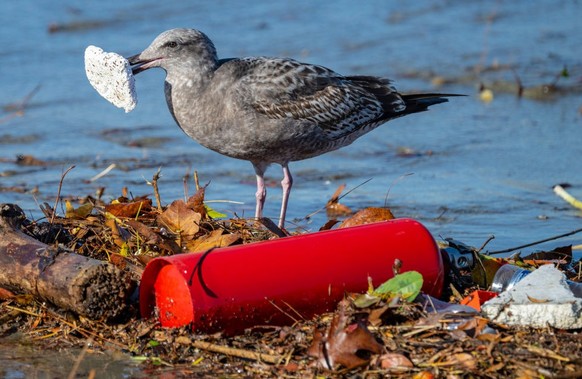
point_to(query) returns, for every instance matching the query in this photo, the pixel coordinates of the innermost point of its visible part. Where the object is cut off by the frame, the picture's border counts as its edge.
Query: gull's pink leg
(261, 194)
(286, 184)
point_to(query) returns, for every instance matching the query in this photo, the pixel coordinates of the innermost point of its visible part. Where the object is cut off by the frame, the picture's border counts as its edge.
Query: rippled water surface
(478, 168)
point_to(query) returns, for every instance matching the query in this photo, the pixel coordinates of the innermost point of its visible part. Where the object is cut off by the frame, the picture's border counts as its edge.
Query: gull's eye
(171, 44)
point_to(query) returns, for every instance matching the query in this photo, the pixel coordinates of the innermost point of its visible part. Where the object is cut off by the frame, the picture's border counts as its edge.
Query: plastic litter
(509, 275)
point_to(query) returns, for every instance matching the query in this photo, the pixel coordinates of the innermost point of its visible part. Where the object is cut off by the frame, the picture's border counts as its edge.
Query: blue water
(490, 168)
(479, 168)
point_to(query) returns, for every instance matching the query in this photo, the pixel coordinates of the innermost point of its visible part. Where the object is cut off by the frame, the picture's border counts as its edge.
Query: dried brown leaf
(180, 219)
(333, 206)
(328, 225)
(560, 254)
(79, 213)
(130, 209)
(212, 240)
(395, 362)
(119, 234)
(6, 294)
(375, 315)
(151, 237)
(118, 260)
(337, 209)
(29, 160)
(474, 326)
(341, 343)
(196, 202)
(148, 235)
(335, 197)
(464, 360)
(367, 216)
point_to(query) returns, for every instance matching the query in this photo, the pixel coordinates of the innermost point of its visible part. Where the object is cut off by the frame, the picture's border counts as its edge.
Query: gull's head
(174, 48)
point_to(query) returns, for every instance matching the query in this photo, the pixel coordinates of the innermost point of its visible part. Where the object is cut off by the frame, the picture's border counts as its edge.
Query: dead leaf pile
(383, 333)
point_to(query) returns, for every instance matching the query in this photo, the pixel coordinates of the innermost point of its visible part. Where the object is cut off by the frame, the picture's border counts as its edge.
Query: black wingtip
(419, 102)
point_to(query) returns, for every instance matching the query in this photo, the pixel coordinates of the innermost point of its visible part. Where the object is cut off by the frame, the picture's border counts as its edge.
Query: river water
(478, 168)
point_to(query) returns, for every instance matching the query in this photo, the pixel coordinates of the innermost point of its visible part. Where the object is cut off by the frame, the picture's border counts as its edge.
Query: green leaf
(366, 300)
(406, 285)
(565, 73)
(153, 343)
(212, 213)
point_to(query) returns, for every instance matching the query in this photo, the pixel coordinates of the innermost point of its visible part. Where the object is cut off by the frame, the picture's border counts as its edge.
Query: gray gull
(269, 110)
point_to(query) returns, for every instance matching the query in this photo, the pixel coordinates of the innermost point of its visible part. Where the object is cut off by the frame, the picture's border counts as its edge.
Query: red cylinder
(280, 281)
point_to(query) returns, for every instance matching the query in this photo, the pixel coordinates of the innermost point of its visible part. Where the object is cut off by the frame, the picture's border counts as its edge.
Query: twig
(534, 243)
(294, 310)
(103, 173)
(96, 336)
(282, 310)
(392, 185)
(19, 106)
(546, 353)
(185, 184)
(85, 332)
(338, 199)
(240, 353)
(156, 189)
(489, 239)
(419, 329)
(73, 372)
(10, 117)
(196, 182)
(518, 83)
(13, 308)
(59, 193)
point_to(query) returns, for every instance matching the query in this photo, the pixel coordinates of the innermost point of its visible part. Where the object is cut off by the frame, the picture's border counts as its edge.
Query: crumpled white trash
(541, 299)
(110, 74)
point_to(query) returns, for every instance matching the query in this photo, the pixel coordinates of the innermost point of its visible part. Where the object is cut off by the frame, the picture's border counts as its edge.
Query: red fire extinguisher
(281, 281)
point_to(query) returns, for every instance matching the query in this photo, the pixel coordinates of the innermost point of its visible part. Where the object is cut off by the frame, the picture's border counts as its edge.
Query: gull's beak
(138, 64)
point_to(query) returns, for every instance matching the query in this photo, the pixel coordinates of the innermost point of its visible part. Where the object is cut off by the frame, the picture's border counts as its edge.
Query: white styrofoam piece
(541, 299)
(110, 74)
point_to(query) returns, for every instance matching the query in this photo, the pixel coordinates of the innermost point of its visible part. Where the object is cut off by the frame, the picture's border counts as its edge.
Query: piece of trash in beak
(111, 76)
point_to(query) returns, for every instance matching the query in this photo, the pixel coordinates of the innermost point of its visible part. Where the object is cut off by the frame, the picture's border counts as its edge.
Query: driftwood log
(86, 286)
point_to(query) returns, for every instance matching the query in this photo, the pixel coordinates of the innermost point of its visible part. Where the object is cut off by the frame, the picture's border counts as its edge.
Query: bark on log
(86, 286)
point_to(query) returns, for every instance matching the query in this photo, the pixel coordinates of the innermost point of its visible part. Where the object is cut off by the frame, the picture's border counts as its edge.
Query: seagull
(269, 110)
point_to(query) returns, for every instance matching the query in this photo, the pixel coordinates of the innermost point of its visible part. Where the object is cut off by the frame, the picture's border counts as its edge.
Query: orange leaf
(423, 375)
(367, 216)
(6, 294)
(333, 206)
(395, 362)
(129, 210)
